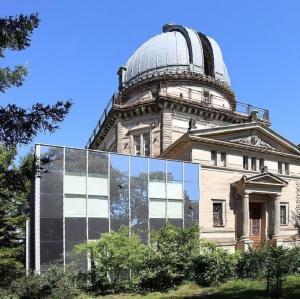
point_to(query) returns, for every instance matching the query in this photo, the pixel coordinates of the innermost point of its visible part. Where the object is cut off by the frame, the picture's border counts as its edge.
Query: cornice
(147, 79)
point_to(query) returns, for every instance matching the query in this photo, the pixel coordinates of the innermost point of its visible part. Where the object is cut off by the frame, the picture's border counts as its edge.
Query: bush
(271, 263)
(55, 283)
(168, 258)
(213, 265)
(251, 263)
(115, 261)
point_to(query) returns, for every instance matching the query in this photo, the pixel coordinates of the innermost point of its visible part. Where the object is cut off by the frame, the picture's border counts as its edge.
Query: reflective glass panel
(191, 194)
(119, 192)
(139, 196)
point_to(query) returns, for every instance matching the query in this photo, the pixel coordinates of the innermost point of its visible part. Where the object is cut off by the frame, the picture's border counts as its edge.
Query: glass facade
(84, 193)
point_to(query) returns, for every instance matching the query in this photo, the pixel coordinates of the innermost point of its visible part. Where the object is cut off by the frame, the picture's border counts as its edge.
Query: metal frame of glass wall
(80, 194)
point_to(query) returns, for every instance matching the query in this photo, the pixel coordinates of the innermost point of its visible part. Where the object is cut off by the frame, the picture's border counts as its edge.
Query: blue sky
(76, 51)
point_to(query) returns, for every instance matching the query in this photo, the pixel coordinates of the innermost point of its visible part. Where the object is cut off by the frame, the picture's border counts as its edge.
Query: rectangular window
(146, 144)
(287, 168)
(261, 163)
(245, 162)
(280, 167)
(223, 159)
(253, 163)
(283, 214)
(137, 145)
(214, 157)
(218, 219)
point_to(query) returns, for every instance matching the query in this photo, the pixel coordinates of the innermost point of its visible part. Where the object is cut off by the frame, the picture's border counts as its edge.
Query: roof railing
(241, 108)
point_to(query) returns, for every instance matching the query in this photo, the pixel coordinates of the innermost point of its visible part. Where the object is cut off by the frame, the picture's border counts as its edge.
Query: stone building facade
(175, 101)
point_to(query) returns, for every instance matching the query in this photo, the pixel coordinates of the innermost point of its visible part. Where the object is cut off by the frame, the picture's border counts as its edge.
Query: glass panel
(139, 196)
(75, 184)
(174, 180)
(157, 208)
(174, 209)
(191, 194)
(97, 207)
(97, 226)
(98, 164)
(119, 192)
(176, 222)
(157, 189)
(75, 206)
(80, 260)
(75, 161)
(51, 229)
(157, 170)
(98, 174)
(75, 229)
(156, 224)
(51, 169)
(51, 205)
(51, 253)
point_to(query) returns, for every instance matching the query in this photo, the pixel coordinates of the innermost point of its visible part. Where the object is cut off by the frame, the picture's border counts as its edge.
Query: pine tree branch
(19, 125)
(9, 78)
(15, 32)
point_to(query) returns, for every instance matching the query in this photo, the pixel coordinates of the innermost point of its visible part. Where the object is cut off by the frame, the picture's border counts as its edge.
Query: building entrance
(257, 223)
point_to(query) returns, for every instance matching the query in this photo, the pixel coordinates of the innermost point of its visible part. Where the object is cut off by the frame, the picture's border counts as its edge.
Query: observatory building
(173, 145)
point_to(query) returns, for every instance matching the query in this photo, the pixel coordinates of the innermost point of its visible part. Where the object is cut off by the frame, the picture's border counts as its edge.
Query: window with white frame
(218, 210)
(284, 213)
(142, 145)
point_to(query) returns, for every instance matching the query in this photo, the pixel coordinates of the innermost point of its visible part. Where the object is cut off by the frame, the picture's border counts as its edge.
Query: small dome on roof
(178, 49)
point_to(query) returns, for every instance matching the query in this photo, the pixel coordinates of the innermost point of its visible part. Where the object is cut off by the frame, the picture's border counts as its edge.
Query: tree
(14, 210)
(18, 126)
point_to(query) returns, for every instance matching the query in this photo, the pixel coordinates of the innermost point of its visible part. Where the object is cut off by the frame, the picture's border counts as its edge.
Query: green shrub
(54, 283)
(213, 265)
(168, 259)
(252, 263)
(115, 261)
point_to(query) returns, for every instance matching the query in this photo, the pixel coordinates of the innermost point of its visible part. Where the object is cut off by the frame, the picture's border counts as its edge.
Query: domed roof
(178, 49)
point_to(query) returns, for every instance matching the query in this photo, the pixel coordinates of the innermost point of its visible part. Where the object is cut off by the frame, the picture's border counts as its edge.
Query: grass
(242, 289)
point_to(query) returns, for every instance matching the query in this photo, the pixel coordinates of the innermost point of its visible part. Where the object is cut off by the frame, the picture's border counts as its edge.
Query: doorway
(257, 223)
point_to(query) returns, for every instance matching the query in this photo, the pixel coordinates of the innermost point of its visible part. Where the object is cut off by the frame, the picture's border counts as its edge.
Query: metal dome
(178, 49)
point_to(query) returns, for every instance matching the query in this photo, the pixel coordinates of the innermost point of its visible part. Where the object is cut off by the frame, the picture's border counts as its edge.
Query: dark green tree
(18, 126)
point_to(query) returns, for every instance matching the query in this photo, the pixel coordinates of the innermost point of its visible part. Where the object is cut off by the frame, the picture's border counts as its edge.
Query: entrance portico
(260, 197)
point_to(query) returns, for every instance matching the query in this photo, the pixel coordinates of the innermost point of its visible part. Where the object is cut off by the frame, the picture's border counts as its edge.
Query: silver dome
(176, 50)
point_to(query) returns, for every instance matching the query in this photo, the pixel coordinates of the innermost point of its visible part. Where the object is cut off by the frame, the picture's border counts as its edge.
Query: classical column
(277, 216)
(245, 211)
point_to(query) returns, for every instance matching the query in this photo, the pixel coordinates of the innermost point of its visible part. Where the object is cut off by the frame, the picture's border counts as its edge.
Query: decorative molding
(253, 140)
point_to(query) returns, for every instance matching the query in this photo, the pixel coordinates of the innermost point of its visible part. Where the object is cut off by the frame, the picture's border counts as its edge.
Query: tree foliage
(14, 209)
(18, 126)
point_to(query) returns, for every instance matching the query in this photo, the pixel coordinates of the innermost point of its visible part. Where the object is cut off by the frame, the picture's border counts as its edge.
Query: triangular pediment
(254, 135)
(265, 178)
